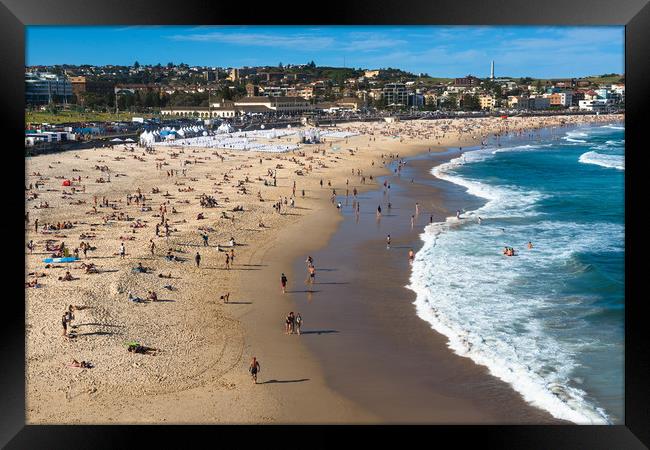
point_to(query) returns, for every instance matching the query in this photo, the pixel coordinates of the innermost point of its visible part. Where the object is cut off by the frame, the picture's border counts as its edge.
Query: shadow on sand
(284, 381)
(319, 332)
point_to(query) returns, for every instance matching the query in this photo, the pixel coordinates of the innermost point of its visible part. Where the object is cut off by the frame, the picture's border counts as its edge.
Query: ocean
(550, 320)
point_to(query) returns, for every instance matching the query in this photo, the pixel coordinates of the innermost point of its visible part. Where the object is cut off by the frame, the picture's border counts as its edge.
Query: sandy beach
(199, 372)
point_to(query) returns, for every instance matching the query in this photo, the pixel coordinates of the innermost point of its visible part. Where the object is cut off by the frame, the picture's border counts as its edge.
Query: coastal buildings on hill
(181, 90)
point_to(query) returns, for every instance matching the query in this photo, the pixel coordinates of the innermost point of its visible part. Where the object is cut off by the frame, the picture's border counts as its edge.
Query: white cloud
(296, 42)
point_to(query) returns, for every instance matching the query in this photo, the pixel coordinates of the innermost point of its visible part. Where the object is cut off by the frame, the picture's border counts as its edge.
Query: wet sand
(362, 325)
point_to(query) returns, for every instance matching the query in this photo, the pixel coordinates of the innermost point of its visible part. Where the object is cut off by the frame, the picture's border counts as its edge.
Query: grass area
(435, 80)
(75, 116)
(606, 80)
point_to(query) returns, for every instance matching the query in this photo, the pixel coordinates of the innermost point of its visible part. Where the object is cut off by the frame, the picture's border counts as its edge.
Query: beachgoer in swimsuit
(298, 322)
(283, 281)
(254, 369)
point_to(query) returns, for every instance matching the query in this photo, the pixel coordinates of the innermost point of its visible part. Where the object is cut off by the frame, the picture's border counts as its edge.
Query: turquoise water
(550, 321)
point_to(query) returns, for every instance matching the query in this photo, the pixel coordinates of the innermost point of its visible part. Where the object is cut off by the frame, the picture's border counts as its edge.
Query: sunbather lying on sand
(80, 365)
(137, 348)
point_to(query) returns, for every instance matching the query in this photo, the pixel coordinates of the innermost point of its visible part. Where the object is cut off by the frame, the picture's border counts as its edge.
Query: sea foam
(463, 289)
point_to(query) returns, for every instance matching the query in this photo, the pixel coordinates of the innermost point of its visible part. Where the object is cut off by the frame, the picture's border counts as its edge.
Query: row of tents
(170, 134)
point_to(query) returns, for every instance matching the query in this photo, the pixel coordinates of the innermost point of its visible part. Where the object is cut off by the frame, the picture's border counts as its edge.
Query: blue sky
(446, 51)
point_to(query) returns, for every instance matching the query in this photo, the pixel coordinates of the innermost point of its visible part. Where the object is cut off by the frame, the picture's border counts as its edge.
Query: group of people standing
(293, 323)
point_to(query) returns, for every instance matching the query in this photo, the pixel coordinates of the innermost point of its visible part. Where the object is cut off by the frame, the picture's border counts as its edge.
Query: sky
(443, 51)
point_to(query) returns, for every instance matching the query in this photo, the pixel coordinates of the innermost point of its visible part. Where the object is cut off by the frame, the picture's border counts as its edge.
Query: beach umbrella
(116, 140)
(129, 140)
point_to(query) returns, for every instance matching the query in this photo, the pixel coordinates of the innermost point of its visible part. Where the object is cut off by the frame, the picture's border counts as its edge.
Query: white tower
(492, 70)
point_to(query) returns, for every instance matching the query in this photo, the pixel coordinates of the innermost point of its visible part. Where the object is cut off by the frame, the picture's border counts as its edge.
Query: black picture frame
(16, 14)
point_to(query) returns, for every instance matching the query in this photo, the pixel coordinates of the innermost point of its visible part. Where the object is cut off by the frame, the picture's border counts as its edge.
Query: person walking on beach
(232, 257)
(287, 324)
(64, 323)
(227, 261)
(388, 241)
(379, 211)
(254, 369)
(205, 239)
(411, 255)
(298, 322)
(152, 247)
(122, 250)
(197, 258)
(312, 274)
(283, 282)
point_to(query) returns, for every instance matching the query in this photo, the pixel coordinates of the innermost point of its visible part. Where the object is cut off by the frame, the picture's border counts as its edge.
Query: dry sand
(200, 373)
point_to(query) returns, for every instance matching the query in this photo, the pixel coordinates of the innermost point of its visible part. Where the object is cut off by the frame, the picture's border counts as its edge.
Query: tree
(136, 65)
(470, 103)
(450, 102)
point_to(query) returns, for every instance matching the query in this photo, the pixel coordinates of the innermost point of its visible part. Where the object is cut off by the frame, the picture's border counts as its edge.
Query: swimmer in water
(411, 255)
(530, 245)
(479, 220)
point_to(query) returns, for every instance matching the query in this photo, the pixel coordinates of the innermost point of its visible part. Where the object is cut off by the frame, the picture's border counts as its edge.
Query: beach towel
(61, 260)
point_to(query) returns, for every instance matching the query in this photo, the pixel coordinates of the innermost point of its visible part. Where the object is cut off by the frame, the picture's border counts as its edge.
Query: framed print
(414, 216)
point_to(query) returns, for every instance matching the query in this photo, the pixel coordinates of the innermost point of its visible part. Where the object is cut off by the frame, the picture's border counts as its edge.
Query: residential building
(467, 81)
(539, 102)
(594, 104)
(81, 86)
(132, 88)
(416, 99)
(270, 76)
(431, 99)
(350, 103)
(273, 91)
(372, 73)
(252, 90)
(395, 94)
(564, 99)
(486, 101)
(513, 101)
(43, 88)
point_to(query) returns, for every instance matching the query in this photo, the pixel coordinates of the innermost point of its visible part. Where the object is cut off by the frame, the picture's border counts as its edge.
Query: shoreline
(195, 321)
(519, 410)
